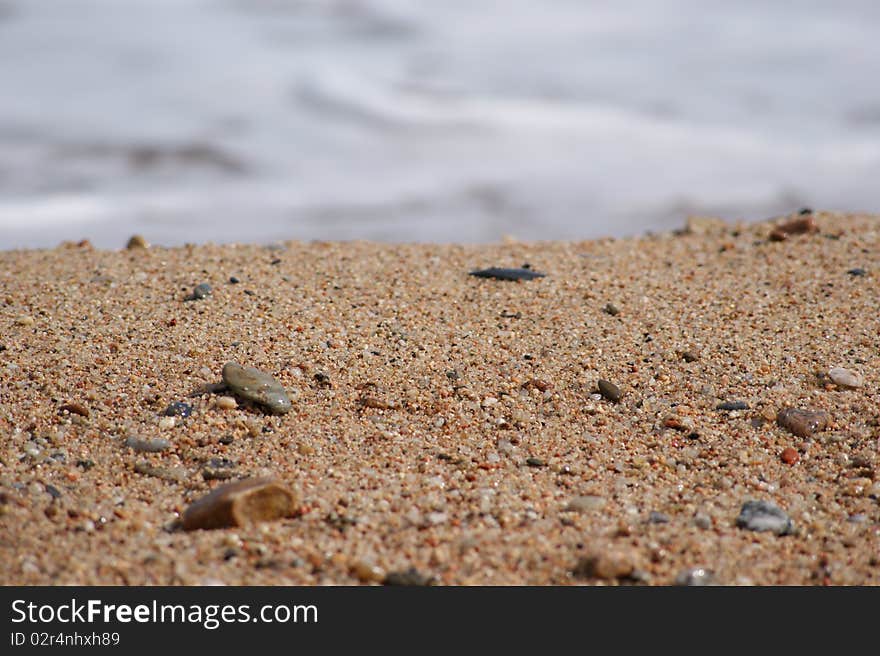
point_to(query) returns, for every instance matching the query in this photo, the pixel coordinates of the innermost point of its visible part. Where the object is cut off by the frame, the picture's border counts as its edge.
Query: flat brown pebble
(789, 456)
(75, 408)
(367, 572)
(799, 226)
(241, 504)
(609, 390)
(173, 474)
(604, 565)
(802, 423)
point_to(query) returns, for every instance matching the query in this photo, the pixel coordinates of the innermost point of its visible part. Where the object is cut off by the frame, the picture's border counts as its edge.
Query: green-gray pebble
(254, 385)
(609, 390)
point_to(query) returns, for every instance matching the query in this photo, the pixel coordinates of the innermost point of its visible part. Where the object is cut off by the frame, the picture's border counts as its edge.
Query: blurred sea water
(437, 120)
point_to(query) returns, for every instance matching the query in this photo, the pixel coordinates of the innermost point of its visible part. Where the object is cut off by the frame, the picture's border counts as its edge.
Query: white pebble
(845, 378)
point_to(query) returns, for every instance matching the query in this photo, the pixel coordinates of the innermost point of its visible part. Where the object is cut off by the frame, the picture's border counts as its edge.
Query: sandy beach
(446, 428)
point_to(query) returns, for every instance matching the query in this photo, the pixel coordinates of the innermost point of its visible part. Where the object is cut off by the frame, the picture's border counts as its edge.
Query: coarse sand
(448, 428)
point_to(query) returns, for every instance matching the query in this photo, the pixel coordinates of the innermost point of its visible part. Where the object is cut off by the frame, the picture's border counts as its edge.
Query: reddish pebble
(790, 456)
(800, 226)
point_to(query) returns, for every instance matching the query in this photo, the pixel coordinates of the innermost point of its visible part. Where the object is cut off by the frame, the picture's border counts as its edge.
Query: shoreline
(447, 424)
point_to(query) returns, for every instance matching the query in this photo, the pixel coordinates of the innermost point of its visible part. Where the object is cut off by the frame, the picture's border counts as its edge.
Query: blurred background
(428, 120)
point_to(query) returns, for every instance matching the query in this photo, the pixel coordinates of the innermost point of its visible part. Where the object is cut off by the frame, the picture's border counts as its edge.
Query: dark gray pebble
(178, 409)
(764, 516)
(609, 390)
(611, 308)
(200, 291)
(732, 405)
(507, 274)
(535, 462)
(411, 576)
(233, 280)
(655, 517)
(857, 272)
(53, 491)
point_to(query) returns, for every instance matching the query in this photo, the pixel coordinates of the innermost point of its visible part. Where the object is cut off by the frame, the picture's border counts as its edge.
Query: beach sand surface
(446, 428)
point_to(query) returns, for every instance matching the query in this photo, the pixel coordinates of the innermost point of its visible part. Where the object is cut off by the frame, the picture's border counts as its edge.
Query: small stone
(605, 565)
(655, 517)
(149, 446)
(226, 403)
(24, 320)
(801, 226)
(233, 280)
(695, 577)
(508, 274)
(408, 577)
(257, 386)
(200, 291)
(609, 390)
(173, 474)
(535, 462)
(137, 242)
(845, 378)
(857, 272)
(789, 456)
(732, 405)
(703, 521)
(75, 408)
(53, 491)
(586, 503)
(612, 309)
(241, 504)
(690, 356)
(166, 423)
(178, 409)
(764, 516)
(802, 423)
(366, 572)
(219, 469)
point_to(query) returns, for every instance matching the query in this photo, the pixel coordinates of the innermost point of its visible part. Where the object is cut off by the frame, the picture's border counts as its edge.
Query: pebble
(410, 576)
(150, 446)
(75, 408)
(803, 225)
(802, 423)
(166, 423)
(857, 272)
(586, 503)
(789, 456)
(845, 378)
(764, 516)
(240, 504)
(535, 462)
(367, 572)
(695, 577)
(612, 309)
(226, 403)
(219, 469)
(137, 241)
(609, 390)
(655, 517)
(605, 565)
(257, 386)
(24, 320)
(507, 274)
(178, 409)
(200, 291)
(174, 474)
(732, 405)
